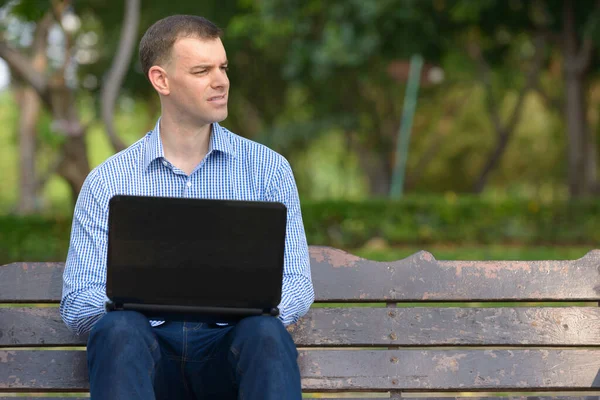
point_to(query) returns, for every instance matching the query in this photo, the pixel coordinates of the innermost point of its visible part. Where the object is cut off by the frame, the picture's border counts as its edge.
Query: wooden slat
(559, 326)
(339, 276)
(360, 370)
(377, 398)
(56, 371)
(328, 398)
(466, 370)
(547, 397)
(31, 282)
(33, 326)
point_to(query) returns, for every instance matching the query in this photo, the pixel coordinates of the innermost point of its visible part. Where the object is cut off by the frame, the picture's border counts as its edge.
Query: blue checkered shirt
(234, 168)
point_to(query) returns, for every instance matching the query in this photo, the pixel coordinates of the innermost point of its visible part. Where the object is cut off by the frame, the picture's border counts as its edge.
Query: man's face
(198, 83)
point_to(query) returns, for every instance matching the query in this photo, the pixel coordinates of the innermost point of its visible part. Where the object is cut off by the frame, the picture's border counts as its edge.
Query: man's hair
(158, 41)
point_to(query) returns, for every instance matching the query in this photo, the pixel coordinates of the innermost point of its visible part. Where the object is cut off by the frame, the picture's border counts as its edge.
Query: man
(187, 154)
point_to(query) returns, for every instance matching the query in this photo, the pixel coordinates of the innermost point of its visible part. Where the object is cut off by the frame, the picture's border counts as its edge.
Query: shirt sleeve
(297, 291)
(84, 278)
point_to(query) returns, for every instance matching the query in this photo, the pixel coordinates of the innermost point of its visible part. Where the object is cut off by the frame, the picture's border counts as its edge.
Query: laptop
(195, 259)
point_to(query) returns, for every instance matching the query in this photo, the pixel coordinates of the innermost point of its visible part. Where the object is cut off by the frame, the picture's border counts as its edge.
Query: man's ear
(159, 79)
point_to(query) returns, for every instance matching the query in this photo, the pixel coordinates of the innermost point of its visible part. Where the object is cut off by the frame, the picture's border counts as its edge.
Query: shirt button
(165, 163)
(189, 184)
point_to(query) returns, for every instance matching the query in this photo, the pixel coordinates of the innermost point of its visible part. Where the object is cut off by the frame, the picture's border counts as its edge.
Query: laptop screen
(195, 252)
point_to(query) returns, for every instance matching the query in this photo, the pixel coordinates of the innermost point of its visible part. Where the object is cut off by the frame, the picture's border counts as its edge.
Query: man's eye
(225, 68)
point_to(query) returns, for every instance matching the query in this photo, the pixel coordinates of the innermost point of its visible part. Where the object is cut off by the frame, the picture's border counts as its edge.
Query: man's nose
(220, 79)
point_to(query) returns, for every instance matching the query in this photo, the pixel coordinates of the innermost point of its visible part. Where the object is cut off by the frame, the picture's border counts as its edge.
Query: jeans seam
(183, 357)
(154, 345)
(236, 355)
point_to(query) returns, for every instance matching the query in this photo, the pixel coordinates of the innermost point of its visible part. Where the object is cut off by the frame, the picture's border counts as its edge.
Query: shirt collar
(220, 140)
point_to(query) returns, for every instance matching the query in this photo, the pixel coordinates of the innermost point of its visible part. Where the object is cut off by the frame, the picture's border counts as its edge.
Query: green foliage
(33, 238)
(301, 69)
(425, 222)
(451, 219)
(318, 37)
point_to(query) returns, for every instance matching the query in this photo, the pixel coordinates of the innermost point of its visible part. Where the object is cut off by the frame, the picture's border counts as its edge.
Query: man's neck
(184, 146)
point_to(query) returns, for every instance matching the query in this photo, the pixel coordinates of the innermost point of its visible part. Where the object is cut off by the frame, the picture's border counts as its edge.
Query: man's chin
(210, 119)
(221, 117)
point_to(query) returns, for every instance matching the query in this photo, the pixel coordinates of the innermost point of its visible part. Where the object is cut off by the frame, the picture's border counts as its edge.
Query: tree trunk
(114, 77)
(581, 148)
(75, 166)
(29, 104)
(504, 131)
(576, 131)
(493, 160)
(591, 164)
(378, 172)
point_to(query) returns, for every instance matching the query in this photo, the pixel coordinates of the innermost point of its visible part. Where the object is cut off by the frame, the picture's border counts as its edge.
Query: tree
(350, 59)
(578, 48)
(336, 56)
(339, 52)
(118, 69)
(57, 94)
(30, 104)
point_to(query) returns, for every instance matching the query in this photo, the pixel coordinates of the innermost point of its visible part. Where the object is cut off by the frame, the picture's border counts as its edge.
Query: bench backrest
(390, 335)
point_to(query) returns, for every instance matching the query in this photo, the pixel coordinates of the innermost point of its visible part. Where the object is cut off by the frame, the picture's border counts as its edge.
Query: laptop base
(191, 313)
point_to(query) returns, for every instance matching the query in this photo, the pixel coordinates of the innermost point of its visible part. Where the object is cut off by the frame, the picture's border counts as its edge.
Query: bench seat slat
(35, 326)
(465, 370)
(359, 370)
(528, 326)
(471, 398)
(379, 398)
(339, 276)
(548, 397)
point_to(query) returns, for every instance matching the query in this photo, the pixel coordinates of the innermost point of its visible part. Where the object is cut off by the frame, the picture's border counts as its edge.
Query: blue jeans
(253, 359)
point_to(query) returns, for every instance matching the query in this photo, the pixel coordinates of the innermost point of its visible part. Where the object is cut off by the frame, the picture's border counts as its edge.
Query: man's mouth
(217, 98)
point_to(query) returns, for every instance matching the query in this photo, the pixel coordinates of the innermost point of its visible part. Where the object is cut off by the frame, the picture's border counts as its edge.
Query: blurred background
(467, 128)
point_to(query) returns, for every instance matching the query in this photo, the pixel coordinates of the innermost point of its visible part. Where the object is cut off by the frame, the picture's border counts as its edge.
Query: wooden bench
(407, 345)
